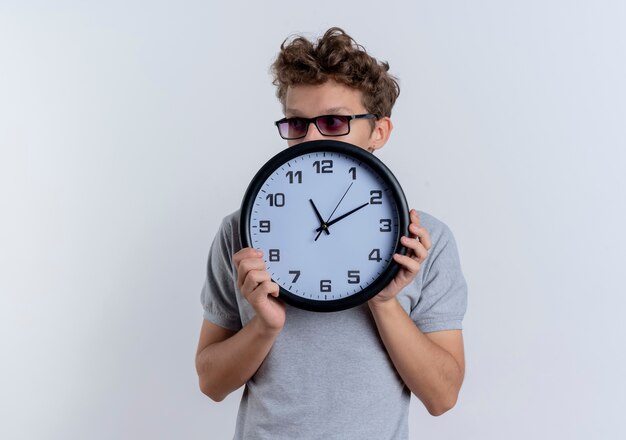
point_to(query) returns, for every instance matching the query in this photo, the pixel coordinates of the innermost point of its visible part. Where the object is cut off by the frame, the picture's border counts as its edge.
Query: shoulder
(230, 222)
(442, 288)
(444, 254)
(228, 233)
(439, 232)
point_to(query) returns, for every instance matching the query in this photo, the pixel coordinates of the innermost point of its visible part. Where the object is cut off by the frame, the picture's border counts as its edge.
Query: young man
(346, 374)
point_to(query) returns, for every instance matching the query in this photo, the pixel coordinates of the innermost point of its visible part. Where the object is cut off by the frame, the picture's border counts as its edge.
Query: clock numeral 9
(294, 176)
(325, 286)
(264, 226)
(277, 199)
(324, 167)
(385, 225)
(354, 277)
(377, 197)
(274, 254)
(375, 255)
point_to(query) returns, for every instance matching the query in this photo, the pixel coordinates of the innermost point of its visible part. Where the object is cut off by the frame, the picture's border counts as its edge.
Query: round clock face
(328, 217)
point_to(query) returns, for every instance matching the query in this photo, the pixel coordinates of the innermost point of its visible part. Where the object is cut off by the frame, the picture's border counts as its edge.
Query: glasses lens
(292, 128)
(333, 125)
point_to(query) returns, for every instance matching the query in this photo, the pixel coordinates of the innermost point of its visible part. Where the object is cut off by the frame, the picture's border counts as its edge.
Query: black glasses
(327, 125)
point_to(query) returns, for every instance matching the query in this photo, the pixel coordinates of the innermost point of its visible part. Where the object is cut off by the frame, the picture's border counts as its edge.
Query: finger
(418, 250)
(244, 253)
(407, 263)
(262, 291)
(275, 290)
(421, 234)
(253, 279)
(247, 265)
(414, 217)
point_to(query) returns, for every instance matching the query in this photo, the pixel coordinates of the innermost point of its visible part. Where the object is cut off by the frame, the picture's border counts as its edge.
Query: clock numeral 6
(277, 199)
(274, 254)
(292, 176)
(264, 226)
(325, 285)
(324, 166)
(377, 197)
(354, 277)
(385, 225)
(375, 255)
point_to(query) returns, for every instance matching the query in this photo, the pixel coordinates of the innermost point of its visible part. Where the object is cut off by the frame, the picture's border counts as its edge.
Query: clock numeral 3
(274, 254)
(377, 197)
(385, 225)
(277, 199)
(354, 277)
(375, 255)
(296, 274)
(325, 285)
(293, 176)
(324, 166)
(264, 226)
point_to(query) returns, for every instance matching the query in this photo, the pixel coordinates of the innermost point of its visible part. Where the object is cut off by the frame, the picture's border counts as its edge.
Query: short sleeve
(219, 294)
(443, 299)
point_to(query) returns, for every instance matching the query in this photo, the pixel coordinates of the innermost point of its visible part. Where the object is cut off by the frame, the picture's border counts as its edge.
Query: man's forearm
(429, 371)
(225, 366)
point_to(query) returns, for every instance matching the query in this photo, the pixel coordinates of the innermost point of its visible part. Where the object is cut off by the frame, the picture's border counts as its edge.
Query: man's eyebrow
(291, 112)
(336, 110)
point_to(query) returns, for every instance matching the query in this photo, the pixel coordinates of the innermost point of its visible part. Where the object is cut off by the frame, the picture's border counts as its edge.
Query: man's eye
(332, 122)
(296, 123)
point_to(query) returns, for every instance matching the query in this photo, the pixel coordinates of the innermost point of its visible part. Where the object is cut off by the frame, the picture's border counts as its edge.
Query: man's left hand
(418, 244)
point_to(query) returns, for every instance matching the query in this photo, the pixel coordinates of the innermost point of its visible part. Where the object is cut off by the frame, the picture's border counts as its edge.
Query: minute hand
(341, 217)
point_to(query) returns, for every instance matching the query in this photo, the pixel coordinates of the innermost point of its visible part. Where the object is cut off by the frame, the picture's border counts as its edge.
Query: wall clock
(328, 217)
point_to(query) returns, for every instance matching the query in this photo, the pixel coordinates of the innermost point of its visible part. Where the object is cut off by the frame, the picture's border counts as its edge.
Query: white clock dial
(328, 224)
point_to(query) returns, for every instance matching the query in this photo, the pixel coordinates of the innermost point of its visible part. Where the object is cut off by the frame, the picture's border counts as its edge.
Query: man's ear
(380, 134)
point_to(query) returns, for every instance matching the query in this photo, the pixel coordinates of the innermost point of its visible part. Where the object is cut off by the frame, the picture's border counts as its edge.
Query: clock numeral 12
(292, 176)
(325, 285)
(274, 254)
(324, 167)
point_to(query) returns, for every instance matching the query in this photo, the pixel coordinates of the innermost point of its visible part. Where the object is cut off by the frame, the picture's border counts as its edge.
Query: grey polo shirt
(328, 375)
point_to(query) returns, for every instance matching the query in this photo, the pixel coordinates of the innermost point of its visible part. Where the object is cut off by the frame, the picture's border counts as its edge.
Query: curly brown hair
(335, 56)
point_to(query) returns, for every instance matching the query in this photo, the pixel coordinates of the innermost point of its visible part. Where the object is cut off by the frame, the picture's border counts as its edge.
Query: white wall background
(128, 129)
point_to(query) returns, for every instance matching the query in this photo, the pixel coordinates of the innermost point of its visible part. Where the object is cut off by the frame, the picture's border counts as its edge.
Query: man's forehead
(327, 98)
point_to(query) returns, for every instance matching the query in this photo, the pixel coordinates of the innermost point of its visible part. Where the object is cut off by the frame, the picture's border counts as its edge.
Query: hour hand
(323, 225)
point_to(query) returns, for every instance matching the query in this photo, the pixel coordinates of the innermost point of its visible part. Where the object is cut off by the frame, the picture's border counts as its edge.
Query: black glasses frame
(314, 121)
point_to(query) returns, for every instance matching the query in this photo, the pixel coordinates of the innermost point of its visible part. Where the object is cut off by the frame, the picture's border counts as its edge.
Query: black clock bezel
(330, 146)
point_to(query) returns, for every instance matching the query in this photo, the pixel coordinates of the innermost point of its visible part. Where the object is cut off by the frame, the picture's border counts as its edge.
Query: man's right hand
(227, 359)
(256, 285)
